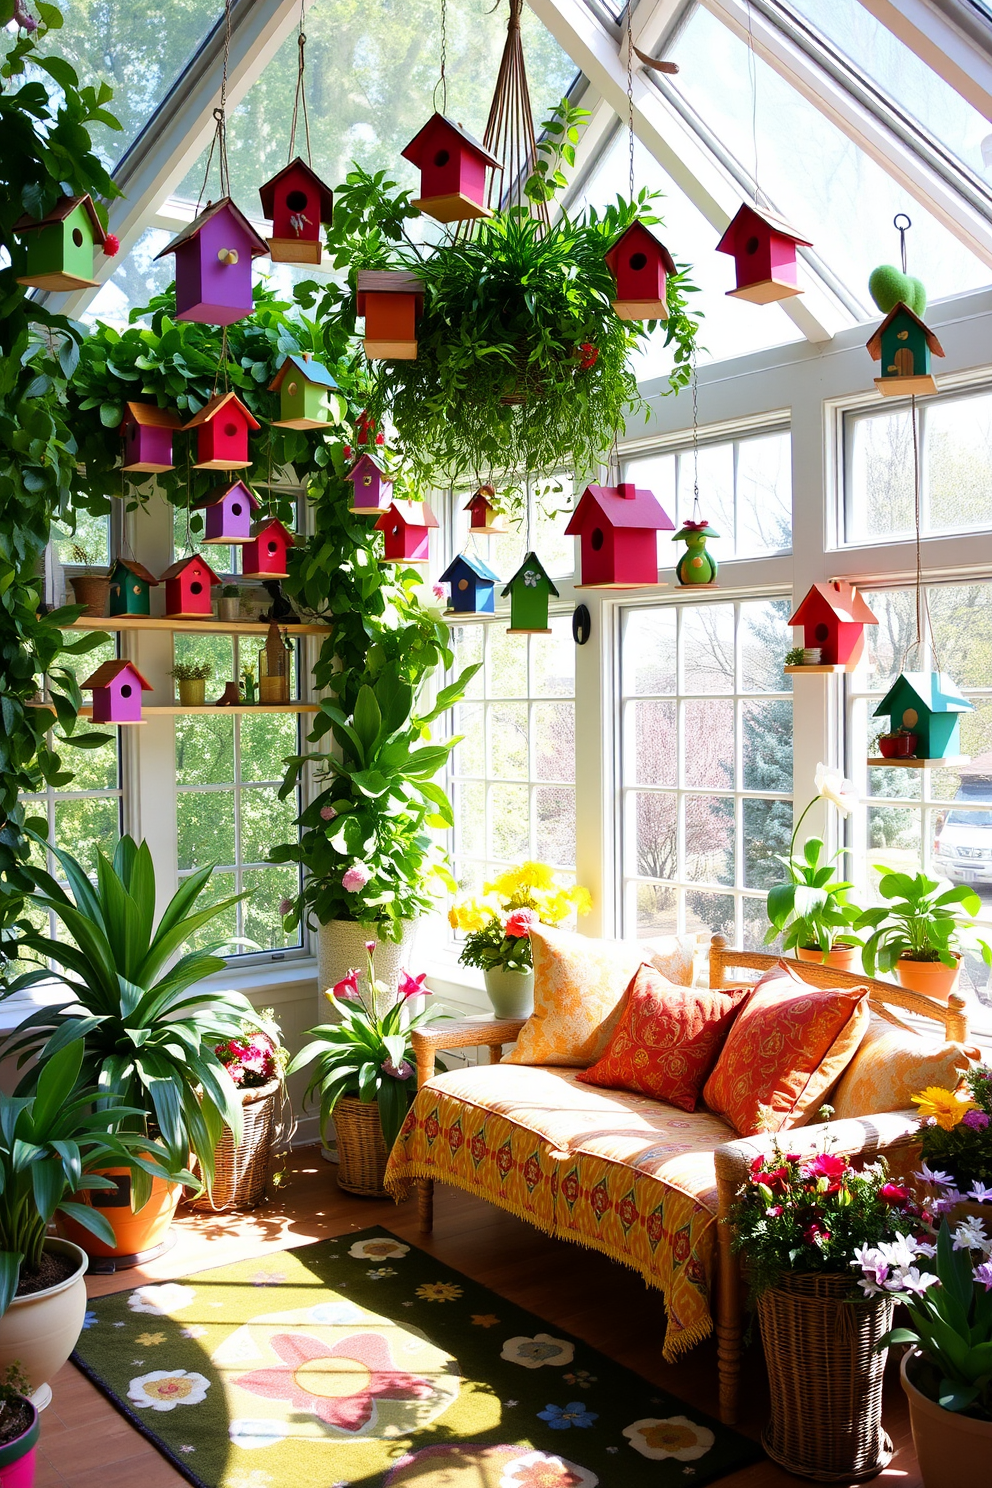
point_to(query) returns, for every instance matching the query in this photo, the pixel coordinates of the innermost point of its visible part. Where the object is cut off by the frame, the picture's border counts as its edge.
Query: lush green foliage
(813, 908)
(923, 921)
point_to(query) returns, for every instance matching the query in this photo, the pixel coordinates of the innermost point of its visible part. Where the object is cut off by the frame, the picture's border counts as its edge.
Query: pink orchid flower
(409, 986)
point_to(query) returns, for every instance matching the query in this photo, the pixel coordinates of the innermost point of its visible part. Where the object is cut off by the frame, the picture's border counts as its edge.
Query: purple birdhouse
(117, 687)
(213, 265)
(147, 432)
(372, 486)
(228, 513)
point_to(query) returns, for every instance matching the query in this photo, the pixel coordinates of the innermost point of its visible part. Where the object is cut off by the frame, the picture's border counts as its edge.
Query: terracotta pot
(192, 691)
(808, 953)
(953, 1451)
(843, 957)
(93, 591)
(137, 1233)
(18, 1456)
(510, 992)
(932, 978)
(39, 1332)
(897, 746)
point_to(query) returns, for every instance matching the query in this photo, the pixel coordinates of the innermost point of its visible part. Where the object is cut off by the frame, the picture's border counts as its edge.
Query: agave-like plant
(148, 1030)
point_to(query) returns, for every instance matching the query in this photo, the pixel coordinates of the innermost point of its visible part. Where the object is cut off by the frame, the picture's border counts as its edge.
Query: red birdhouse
(187, 588)
(372, 486)
(406, 526)
(228, 513)
(617, 527)
(265, 556)
(640, 265)
(222, 433)
(485, 519)
(117, 687)
(764, 252)
(297, 202)
(452, 169)
(213, 265)
(833, 617)
(147, 431)
(389, 299)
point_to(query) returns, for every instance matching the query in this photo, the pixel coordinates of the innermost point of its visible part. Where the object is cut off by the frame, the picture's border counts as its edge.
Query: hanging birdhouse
(929, 705)
(147, 432)
(763, 248)
(640, 265)
(405, 526)
(297, 203)
(617, 529)
(188, 582)
(473, 586)
(213, 265)
(228, 513)
(60, 246)
(452, 169)
(372, 487)
(222, 433)
(390, 300)
(529, 591)
(130, 588)
(303, 385)
(904, 344)
(117, 687)
(485, 520)
(264, 557)
(696, 566)
(833, 617)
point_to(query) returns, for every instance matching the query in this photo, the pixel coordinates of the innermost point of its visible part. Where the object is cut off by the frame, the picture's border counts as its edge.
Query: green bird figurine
(696, 566)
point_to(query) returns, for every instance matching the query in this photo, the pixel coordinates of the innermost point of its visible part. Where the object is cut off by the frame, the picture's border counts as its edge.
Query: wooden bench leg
(729, 1330)
(425, 1204)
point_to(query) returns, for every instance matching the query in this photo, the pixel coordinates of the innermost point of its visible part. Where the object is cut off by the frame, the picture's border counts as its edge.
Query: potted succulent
(228, 603)
(256, 1061)
(20, 1428)
(813, 912)
(920, 933)
(191, 679)
(90, 584)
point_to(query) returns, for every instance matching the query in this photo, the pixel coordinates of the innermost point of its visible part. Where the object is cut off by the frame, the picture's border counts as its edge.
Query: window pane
(262, 921)
(205, 824)
(88, 544)
(708, 648)
(470, 818)
(653, 838)
(765, 638)
(655, 910)
(649, 651)
(83, 827)
(469, 756)
(555, 825)
(508, 734)
(554, 741)
(266, 740)
(713, 913)
(265, 820)
(204, 749)
(716, 487)
(767, 746)
(764, 495)
(709, 839)
(552, 660)
(767, 832)
(653, 743)
(225, 927)
(709, 743)
(509, 819)
(506, 664)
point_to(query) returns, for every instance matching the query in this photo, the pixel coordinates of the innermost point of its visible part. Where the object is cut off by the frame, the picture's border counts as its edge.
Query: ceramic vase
(510, 992)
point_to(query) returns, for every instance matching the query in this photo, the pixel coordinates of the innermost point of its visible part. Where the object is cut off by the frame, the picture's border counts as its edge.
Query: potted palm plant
(921, 932)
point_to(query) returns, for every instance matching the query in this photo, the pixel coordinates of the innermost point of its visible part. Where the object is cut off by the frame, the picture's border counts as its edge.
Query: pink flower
(346, 990)
(522, 922)
(774, 1211)
(815, 1234)
(355, 878)
(370, 947)
(439, 591)
(983, 1273)
(893, 1193)
(409, 986)
(285, 906)
(824, 1165)
(773, 1178)
(327, 813)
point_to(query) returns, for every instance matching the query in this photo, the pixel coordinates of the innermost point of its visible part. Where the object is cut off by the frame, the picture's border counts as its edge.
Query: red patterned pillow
(667, 1040)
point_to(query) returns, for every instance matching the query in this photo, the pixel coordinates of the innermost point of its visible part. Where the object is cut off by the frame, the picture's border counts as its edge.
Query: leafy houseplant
(192, 677)
(19, 1426)
(921, 926)
(813, 908)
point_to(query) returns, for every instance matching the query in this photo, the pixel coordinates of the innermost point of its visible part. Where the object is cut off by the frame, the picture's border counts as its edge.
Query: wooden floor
(86, 1444)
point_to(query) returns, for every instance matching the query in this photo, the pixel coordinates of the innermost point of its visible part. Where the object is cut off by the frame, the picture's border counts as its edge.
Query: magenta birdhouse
(147, 432)
(297, 202)
(222, 429)
(213, 265)
(406, 529)
(763, 247)
(117, 687)
(641, 266)
(228, 513)
(372, 486)
(617, 529)
(833, 617)
(484, 519)
(452, 169)
(264, 557)
(187, 588)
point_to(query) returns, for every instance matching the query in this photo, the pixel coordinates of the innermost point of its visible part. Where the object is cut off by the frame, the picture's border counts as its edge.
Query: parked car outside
(962, 849)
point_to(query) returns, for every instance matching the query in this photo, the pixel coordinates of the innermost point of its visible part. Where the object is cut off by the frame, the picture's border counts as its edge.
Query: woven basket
(240, 1172)
(825, 1377)
(362, 1152)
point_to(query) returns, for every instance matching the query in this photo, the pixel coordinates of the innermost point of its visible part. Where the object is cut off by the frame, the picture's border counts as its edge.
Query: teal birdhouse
(904, 345)
(530, 591)
(696, 566)
(929, 705)
(304, 387)
(130, 588)
(60, 245)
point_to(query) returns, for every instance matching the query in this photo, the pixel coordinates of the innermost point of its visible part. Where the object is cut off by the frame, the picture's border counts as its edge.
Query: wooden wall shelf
(203, 627)
(177, 708)
(816, 670)
(919, 764)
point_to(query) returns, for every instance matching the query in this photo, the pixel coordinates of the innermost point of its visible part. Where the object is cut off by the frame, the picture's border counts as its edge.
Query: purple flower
(285, 906)
(935, 1176)
(355, 878)
(398, 1071)
(979, 1194)
(977, 1120)
(983, 1273)
(327, 813)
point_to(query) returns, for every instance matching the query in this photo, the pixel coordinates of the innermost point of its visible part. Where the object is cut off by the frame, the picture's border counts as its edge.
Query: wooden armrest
(459, 1034)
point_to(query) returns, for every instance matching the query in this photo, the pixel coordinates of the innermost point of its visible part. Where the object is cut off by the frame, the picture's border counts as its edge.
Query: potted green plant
(256, 1061)
(921, 932)
(191, 679)
(90, 583)
(899, 744)
(20, 1428)
(813, 912)
(228, 603)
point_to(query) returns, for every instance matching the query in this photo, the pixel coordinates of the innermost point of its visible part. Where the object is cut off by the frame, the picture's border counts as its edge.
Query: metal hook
(902, 223)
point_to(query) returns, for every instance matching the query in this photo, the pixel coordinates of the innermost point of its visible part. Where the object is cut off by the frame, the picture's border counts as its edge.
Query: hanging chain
(630, 90)
(219, 141)
(301, 93)
(442, 82)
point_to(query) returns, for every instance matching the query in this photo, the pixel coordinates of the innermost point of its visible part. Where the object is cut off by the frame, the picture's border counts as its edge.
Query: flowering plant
(498, 924)
(813, 907)
(257, 1056)
(956, 1141)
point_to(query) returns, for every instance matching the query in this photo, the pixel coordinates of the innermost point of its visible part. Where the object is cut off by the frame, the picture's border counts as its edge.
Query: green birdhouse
(696, 566)
(929, 705)
(530, 591)
(304, 386)
(904, 345)
(60, 246)
(130, 588)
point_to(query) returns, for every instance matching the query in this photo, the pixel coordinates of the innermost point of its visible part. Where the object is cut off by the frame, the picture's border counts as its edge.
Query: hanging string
(630, 90)
(189, 497)
(442, 82)
(300, 101)
(695, 441)
(509, 133)
(902, 224)
(753, 75)
(219, 141)
(924, 620)
(221, 365)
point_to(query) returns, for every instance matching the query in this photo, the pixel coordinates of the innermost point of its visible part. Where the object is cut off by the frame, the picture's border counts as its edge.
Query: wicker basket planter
(362, 1152)
(825, 1377)
(240, 1172)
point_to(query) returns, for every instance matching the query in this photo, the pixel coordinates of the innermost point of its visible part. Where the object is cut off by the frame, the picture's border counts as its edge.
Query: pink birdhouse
(188, 582)
(833, 617)
(222, 433)
(213, 265)
(764, 252)
(147, 432)
(406, 526)
(372, 486)
(265, 556)
(298, 203)
(452, 169)
(484, 519)
(228, 513)
(117, 687)
(617, 527)
(640, 265)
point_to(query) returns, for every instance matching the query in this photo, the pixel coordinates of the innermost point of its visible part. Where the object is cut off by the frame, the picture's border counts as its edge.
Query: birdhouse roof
(362, 463)
(388, 281)
(175, 569)
(641, 509)
(639, 232)
(438, 124)
(410, 513)
(698, 529)
(218, 493)
(530, 562)
(308, 367)
(217, 402)
(902, 309)
(843, 599)
(273, 524)
(257, 244)
(150, 416)
(485, 494)
(138, 569)
(934, 691)
(468, 560)
(63, 208)
(105, 674)
(744, 221)
(267, 192)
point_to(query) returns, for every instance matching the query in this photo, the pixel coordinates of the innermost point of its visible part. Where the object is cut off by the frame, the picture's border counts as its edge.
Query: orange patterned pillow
(787, 1047)
(892, 1065)
(579, 983)
(667, 1039)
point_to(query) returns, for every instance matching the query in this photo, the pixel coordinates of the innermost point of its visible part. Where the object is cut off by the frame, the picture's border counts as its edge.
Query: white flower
(259, 1433)
(915, 1281)
(831, 785)
(195, 1330)
(899, 1252)
(535, 1352)
(164, 1389)
(530, 579)
(934, 1176)
(672, 1436)
(162, 1300)
(379, 1249)
(970, 1235)
(555, 1471)
(979, 1194)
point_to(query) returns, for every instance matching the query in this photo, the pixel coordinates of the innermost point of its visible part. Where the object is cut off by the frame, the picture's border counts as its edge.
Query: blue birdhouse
(473, 586)
(929, 705)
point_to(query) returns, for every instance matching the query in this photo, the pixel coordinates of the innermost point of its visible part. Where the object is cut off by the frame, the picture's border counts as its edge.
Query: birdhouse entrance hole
(196, 587)
(271, 547)
(463, 584)
(366, 480)
(126, 690)
(77, 237)
(597, 539)
(297, 200)
(292, 389)
(442, 157)
(822, 632)
(395, 529)
(638, 261)
(236, 508)
(230, 430)
(751, 246)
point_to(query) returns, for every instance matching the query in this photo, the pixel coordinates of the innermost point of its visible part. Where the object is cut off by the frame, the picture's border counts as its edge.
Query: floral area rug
(363, 1361)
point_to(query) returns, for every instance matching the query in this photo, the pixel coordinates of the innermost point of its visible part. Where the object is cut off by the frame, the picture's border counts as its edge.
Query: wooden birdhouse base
(641, 309)
(415, 561)
(905, 387)
(145, 467)
(187, 615)
(821, 670)
(293, 250)
(224, 542)
(301, 423)
(765, 292)
(390, 351)
(517, 630)
(57, 281)
(659, 584)
(951, 763)
(223, 465)
(368, 511)
(283, 573)
(490, 531)
(455, 207)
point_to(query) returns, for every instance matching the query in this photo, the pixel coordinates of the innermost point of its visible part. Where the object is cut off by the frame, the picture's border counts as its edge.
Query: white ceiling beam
(858, 123)
(942, 45)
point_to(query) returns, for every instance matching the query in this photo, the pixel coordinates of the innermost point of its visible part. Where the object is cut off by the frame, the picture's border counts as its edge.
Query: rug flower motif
(340, 1383)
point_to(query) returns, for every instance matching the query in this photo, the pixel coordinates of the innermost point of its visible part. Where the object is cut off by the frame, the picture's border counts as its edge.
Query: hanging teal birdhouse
(696, 566)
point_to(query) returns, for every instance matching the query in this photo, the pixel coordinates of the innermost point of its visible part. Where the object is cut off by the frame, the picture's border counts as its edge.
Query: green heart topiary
(888, 286)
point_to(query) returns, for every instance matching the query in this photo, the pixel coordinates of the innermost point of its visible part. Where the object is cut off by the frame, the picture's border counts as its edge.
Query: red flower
(346, 990)
(590, 355)
(380, 439)
(893, 1193)
(347, 1408)
(774, 1211)
(346, 451)
(410, 986)
(111, 245)
(824, 1165)
(814, 1233)
(775, 1178)
(522, 922)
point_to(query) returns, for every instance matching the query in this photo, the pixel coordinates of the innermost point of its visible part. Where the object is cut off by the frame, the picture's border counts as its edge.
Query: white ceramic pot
(341, 946)
(510, 992)
(39, 1331)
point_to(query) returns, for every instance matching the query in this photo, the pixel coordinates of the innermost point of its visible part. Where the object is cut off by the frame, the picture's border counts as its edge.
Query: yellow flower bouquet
(497, 923)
